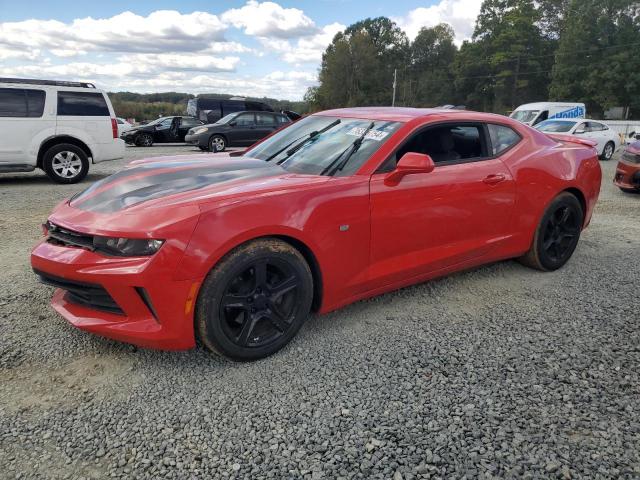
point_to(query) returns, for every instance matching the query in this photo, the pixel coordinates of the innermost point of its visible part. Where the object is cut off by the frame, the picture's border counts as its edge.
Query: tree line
(521, 51)
(148, 106)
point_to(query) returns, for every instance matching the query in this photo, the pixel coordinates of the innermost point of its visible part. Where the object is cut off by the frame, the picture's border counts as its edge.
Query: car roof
(392, 114)
(540, 105)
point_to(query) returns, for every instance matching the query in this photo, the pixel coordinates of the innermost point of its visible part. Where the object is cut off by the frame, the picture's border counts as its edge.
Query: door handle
(494, 179)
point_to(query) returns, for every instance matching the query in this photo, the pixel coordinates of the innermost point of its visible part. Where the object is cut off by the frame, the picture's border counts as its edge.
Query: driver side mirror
(410, 163)
(233, 123)
(579, 132)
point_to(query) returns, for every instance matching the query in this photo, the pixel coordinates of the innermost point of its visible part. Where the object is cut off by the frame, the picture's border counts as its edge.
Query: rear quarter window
(84, 104)
(502, 138)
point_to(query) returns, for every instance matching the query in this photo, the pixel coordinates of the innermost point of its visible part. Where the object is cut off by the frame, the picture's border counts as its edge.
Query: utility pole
(515, 83)
(393, 101)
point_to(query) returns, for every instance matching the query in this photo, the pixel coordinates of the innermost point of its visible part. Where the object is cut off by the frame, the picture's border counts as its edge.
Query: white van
(59, 127)
(534, 113)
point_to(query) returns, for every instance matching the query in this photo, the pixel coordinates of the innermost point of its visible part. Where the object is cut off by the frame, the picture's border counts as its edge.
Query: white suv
(57, 126)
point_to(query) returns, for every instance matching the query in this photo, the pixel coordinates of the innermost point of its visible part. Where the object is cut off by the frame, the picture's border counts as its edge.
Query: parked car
(236, 130)
(210, 110)
(59, 127)
(606, 138)
(627, 176)
(161, 130)
(342, 205)
(123, 126)
(534, 113)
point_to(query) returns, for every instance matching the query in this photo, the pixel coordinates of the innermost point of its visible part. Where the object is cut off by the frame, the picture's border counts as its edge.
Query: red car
(339, 206)
(628, 169)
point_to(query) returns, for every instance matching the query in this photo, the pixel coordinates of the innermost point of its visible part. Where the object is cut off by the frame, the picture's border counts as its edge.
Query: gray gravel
(498, 372)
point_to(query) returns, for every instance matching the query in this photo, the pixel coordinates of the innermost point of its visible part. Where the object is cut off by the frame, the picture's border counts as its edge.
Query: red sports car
(627, 176)
(342, 205)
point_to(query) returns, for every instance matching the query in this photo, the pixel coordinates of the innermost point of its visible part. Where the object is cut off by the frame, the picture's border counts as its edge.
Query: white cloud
(7, 53)
(268, 19)
(460, 14)
(306, 49)
(160, 31)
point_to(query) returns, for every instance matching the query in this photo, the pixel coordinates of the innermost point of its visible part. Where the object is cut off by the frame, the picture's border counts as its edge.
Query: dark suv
(161, 130)
(236, 130)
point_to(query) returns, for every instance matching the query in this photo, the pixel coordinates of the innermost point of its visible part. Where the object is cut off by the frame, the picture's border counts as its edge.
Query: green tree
(430, 81)
(357, 67)
(596, 60)
(509, 60)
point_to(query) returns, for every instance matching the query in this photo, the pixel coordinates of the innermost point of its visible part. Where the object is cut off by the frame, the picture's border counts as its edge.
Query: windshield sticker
(376, 135)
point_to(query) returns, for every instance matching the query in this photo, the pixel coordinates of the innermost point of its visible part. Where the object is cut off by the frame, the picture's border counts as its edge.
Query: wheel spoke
(245, 332)
(277, 318)
(283, 287)
(547, 244)
(565, 215)
(231, 300)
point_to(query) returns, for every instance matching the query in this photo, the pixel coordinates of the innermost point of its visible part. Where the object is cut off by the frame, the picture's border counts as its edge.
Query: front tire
(144, 140)
(65, 163)
(255, 300)
(557, 235)
(608, 151)
(217, 143)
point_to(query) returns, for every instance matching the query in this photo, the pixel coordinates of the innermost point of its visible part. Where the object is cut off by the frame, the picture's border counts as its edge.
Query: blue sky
(249, 47)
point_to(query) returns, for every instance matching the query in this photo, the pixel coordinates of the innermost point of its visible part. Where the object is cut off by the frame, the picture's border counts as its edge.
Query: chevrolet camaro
(235, 251)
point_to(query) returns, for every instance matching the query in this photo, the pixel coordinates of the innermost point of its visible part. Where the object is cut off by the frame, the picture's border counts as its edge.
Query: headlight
(126, 247)
(199, 130)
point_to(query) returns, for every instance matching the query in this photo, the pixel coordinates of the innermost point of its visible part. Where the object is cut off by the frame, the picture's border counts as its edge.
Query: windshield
(159, 120)
(226, 118)
(319, 152)
(525, 116)
(555, 126)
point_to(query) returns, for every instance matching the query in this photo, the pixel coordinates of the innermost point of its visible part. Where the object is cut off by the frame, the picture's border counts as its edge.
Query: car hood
(185, 180)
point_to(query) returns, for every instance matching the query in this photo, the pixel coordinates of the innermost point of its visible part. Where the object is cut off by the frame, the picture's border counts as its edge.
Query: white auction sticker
(376, 135)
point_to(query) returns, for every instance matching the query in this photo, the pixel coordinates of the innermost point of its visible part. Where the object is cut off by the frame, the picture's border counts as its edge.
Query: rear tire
(144, 140)
(254, 301)
(608, 151)
(65, 163)
(217, 143)
(557, 234)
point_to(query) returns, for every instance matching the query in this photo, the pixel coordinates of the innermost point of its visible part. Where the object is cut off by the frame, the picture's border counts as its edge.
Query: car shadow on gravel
(42, 179)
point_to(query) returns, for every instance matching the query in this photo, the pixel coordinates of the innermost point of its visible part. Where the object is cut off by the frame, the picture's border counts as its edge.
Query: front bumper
(153, 309)
(200, 140)
(627, 176)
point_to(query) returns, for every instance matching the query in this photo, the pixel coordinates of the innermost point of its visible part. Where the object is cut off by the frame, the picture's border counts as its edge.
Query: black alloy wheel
(255, 300)
(557, 235)
(258, 306)
(144, 140)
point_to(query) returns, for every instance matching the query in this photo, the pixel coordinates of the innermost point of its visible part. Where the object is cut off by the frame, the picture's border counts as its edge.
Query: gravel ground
(498, 372)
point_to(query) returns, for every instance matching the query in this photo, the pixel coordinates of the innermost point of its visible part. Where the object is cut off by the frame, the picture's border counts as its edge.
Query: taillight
(114, 127)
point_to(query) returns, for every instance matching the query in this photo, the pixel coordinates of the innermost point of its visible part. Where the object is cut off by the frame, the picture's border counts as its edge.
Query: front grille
(62, 236)
(86, 294)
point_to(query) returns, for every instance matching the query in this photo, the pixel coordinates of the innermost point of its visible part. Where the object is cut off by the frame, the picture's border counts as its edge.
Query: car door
(265, 124)
(162, 131)
(242, 130)
(185, 125)
(455, 214)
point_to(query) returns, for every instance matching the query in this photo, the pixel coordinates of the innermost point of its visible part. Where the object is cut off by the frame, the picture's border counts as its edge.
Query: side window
(84, 104)
(245, 120)
(120, 122)
(447, 143)
(35, 102)
(264, 119)
(283, 119)
(502, 138)
(596, 127)
(581, 127)
(13, 102)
